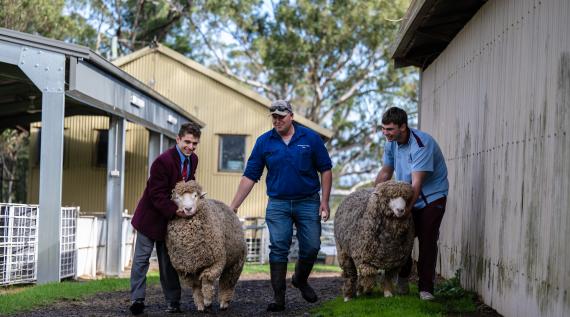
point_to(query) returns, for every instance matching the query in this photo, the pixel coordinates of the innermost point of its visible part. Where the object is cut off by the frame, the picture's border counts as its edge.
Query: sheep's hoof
(388, 294)
(346, 299)
(200, 308)
(224, 306)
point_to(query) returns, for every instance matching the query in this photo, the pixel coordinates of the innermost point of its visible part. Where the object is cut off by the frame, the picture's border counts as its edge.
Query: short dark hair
(189, 128)
(395, 115)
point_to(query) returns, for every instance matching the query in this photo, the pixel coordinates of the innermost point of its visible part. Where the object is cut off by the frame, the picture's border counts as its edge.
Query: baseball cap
(280, 107)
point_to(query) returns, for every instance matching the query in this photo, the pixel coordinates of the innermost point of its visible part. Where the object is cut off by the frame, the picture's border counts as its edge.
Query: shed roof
(231, 84)
(428, 27)
(82, 61)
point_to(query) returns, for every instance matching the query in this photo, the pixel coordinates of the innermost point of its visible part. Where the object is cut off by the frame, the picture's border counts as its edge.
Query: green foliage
(451, 288)
(452, 295)
(18, 299)
(46, 18)
(331, 58)
(14, 156)
(410, 305)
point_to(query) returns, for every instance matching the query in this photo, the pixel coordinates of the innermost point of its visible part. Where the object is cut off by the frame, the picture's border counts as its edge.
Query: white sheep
(372, 233)
(206, 246)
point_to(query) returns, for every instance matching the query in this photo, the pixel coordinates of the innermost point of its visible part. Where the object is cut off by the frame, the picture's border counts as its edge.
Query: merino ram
(373, 232)
(206, 246)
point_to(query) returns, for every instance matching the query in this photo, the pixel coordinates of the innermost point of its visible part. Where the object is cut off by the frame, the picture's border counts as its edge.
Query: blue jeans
(280, 217)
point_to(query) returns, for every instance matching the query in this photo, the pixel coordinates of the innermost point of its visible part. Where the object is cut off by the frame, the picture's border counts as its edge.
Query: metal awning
(45, 80)
(428, 27)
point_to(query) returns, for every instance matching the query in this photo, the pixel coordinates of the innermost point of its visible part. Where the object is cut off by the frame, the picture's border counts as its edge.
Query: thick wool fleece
(368, 235)
(208, 245)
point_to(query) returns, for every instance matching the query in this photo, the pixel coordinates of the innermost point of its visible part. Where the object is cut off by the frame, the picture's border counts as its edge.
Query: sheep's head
(187, 195)
(392, 194)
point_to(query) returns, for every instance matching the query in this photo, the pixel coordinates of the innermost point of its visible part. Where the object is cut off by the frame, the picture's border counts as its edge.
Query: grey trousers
(168, 276)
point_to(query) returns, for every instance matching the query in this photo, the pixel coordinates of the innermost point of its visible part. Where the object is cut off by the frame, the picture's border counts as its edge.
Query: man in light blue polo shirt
(294, 157)
(417, 159)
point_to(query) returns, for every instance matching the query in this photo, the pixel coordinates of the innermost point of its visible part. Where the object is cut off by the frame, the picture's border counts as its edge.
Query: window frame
(221, 137)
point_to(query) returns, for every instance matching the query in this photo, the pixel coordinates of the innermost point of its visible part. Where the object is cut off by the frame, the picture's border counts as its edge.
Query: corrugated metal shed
(227, 107)
(497, 99)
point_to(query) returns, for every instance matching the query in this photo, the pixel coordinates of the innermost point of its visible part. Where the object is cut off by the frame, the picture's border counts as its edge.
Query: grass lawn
(20, 298)
(377, 305)
(410, 305)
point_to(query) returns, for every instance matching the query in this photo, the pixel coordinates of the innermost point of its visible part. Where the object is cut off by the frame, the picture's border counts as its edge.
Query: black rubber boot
(299, 280)
(278, 273)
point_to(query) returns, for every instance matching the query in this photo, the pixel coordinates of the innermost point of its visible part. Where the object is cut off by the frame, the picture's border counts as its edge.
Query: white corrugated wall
(498, 102)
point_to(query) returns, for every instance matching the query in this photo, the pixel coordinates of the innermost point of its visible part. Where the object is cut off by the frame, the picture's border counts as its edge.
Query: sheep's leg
(388, 282)
(228, 282)
(366, 278)
(197, 293)
(207, 278)
(350, 275)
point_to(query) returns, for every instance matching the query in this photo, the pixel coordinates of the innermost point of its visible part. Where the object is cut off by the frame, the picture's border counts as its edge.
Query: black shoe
(173, 308)
(299, 280)
(275, 308)
(137, 307)
(278, 273)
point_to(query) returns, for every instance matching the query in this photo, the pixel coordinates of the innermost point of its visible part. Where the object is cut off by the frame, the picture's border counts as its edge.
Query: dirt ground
(253, 293)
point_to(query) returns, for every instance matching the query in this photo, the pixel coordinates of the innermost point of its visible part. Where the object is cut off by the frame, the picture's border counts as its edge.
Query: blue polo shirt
(420, 154)
(292, 169)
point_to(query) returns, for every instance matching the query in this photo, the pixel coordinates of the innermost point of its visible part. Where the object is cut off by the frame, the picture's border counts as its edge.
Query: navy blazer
(156, 208)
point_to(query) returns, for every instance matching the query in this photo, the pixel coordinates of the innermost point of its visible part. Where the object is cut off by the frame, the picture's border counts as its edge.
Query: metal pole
(47, 71)
(115, 194)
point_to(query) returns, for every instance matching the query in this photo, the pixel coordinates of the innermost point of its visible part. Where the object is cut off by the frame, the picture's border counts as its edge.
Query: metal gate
(19, 243)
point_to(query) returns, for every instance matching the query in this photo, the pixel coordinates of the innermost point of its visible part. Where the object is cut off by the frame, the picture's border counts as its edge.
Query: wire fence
(257, 240)
(19, 243)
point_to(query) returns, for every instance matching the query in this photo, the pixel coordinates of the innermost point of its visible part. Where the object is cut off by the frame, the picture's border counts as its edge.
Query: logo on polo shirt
(304, 146)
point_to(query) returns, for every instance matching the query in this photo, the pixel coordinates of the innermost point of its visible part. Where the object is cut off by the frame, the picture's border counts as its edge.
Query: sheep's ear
(203, 195)
(372, 203)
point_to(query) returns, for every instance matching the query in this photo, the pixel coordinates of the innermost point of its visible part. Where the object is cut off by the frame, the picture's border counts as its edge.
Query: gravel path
(253, 293)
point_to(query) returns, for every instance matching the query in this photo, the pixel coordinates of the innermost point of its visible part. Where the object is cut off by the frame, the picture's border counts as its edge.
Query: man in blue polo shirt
(417, 159)
(294, 157)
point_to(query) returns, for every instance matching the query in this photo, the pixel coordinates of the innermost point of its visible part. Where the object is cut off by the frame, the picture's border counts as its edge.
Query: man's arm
(385, 174)
(326, 184)
(244, 187)
(417, 181)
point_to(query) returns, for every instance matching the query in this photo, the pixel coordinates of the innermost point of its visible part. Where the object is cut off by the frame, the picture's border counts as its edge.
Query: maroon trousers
(427, 221)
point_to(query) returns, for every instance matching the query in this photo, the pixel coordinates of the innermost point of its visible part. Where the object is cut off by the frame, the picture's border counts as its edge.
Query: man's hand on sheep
(324, 211)
(408, 210)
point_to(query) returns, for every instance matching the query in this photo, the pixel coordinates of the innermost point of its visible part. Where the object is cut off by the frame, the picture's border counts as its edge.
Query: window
(101, 148)
(232, 153)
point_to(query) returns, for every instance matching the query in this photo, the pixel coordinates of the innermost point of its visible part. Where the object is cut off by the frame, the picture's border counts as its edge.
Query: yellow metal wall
(84, 184)
(223, 110)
